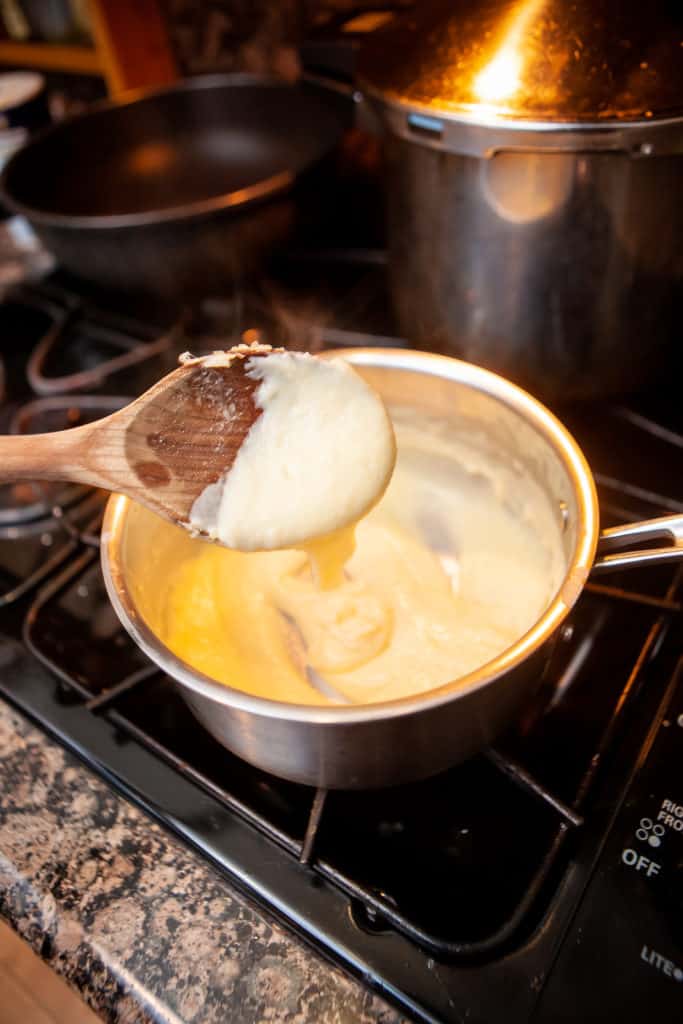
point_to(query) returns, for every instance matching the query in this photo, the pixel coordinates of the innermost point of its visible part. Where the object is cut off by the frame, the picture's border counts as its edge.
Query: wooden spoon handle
(55, 456)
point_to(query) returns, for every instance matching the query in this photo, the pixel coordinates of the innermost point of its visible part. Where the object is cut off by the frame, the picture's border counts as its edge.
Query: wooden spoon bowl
(164, 448)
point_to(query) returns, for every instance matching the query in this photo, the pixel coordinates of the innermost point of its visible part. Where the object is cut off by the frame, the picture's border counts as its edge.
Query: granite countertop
(136, 921)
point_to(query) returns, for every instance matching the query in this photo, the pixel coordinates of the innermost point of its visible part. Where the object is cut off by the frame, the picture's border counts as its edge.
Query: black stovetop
(543, 879)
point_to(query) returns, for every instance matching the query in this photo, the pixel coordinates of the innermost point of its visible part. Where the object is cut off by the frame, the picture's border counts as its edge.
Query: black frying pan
(174, 192)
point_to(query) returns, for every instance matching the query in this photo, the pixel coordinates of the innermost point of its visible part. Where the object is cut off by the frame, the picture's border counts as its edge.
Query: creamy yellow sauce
(456, 563)
(318, 456)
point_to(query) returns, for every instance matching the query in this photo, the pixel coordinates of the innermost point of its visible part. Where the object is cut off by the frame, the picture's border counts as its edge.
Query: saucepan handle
(668, 528)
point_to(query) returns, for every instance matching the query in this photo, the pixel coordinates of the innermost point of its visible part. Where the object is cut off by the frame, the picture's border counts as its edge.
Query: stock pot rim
(578, 569)
(482, 133)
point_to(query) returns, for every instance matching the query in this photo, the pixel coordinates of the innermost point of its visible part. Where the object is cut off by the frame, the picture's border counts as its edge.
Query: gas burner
(28, 500)
(82, 346)
(32, 551)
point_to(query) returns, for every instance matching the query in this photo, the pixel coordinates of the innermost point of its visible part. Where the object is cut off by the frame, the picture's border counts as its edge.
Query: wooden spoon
(163, 449)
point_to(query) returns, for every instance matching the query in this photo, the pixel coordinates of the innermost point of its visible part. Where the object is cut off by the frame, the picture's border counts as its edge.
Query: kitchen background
(486, 894)
(205, 36)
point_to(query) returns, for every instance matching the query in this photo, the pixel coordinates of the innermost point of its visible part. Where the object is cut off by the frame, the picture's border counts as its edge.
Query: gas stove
(540, 881)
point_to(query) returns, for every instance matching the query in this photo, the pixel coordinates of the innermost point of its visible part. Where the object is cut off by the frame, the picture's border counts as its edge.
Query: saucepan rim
(576, 575)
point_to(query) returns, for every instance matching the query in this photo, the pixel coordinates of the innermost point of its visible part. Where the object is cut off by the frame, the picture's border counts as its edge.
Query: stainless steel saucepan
(396, 741)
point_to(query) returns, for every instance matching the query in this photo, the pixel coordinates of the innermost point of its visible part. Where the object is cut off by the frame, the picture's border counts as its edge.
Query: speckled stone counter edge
(137, 922)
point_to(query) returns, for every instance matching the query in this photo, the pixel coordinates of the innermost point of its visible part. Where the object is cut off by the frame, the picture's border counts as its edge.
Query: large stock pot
(534, 185)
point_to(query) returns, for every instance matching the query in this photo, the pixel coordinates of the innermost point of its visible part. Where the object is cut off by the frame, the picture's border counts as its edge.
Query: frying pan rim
(238, 199)
(572, 586)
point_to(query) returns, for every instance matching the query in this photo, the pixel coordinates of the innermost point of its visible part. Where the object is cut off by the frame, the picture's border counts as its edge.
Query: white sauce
(316, 460)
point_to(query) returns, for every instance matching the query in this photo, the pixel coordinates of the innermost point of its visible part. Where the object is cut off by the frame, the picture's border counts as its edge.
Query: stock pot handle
(666, 528)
